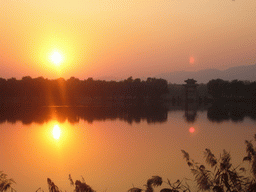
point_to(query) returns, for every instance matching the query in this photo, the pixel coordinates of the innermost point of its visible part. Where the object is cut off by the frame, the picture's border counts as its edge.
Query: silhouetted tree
(235, 90)
(40, 91)
(218, 88)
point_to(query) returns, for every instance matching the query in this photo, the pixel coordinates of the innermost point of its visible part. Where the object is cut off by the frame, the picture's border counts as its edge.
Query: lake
(115, 149)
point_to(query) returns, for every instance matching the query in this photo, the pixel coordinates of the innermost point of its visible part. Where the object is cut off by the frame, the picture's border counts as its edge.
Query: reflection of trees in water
(218, 112)
(151, 114)
(231, 111)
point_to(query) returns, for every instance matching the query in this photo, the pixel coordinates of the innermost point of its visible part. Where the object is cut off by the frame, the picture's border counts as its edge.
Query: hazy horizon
(241, 73)
(124, 38)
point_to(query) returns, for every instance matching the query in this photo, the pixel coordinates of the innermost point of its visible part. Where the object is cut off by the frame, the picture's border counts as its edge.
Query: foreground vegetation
(218, 176)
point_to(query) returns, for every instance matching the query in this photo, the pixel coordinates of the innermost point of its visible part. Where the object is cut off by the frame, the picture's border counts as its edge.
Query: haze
(124, 38)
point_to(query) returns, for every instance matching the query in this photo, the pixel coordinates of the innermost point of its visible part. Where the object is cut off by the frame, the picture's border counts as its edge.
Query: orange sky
(123, 38)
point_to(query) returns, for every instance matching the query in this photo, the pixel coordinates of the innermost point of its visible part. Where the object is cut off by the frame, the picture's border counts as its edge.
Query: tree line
(221, 89)
(60, 91)
(73, 91)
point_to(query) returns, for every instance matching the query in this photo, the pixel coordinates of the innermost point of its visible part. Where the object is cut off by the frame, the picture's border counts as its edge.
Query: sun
(56, 132)
(56, 58)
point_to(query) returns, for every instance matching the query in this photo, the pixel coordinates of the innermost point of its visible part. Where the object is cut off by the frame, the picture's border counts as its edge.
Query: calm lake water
(114, 150)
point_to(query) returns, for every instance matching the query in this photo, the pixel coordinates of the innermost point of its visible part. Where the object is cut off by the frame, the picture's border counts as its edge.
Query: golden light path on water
(56, 132)
(113, 155)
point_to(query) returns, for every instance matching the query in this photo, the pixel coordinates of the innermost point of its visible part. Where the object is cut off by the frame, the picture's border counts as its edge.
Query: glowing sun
(56, 132)
(56, 58)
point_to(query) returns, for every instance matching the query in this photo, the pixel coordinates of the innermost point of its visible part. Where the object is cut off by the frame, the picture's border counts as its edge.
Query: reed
(218, 175)
(5, 183)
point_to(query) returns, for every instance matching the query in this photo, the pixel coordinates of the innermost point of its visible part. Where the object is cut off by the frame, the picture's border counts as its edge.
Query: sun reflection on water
(56, 132)
(191, 129)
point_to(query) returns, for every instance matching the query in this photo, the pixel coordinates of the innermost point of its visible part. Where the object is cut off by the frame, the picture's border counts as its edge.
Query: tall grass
(218, 175)
(5, 183)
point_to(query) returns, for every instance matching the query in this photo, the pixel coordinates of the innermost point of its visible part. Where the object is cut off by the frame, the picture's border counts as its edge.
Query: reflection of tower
(190, 90)
(190, 99)
(190, 111)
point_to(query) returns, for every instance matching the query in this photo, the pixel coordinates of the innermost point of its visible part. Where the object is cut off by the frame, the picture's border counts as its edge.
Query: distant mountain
(108, 78)
(245, 72)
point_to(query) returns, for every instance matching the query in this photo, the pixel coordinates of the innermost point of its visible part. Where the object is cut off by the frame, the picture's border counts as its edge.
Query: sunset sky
(122, 38)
